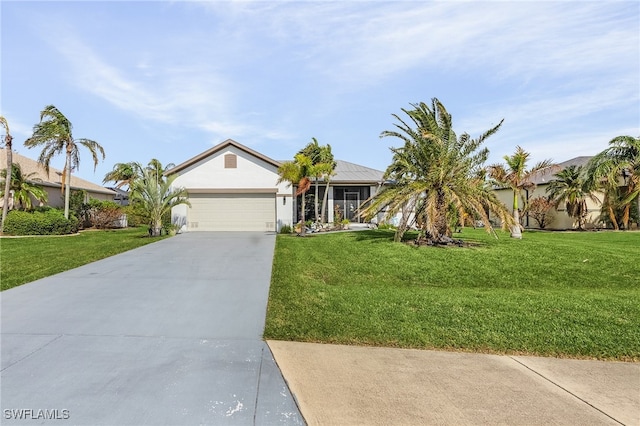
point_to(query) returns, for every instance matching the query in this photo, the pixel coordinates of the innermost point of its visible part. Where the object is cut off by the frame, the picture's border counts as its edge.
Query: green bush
(40, 222)
(285, 229)
(103, 214)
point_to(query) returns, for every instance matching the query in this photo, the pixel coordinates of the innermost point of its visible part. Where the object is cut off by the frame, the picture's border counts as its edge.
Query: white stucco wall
(251, 173)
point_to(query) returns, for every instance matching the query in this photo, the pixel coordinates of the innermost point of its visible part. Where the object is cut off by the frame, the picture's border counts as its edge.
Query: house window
(230, 161)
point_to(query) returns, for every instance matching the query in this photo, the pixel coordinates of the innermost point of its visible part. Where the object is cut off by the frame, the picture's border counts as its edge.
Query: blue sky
(169, 80)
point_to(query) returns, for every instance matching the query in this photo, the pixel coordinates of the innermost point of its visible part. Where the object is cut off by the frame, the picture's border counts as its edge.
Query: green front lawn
(574, 294)
(26, 259)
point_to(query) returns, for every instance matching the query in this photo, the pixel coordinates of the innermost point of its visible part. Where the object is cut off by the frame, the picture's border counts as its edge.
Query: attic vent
(230, 161)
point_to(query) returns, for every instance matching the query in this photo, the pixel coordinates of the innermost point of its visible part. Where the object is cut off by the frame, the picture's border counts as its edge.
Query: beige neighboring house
(561, 220)
(52, 182)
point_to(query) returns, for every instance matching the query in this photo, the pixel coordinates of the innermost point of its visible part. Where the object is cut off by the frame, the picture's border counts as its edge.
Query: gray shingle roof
(53, 178)
(546, 176)
(347, 172)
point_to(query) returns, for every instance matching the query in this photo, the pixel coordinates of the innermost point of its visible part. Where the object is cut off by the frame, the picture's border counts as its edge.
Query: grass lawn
(573, 294)
(27, 259)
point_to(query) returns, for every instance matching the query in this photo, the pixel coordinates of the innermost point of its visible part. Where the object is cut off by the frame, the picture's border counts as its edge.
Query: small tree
(156, 197)
(569, 188)
(297, 173)
(516, 176)
(541, 209)
(24, 187)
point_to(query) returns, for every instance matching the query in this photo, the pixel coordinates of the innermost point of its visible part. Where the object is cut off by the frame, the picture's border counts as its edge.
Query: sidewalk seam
(566, 390)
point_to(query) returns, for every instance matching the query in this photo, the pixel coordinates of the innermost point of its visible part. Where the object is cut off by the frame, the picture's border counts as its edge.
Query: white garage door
(232, 212)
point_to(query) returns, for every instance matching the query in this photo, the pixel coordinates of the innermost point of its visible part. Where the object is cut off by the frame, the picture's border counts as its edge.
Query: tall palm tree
(54, 134)
(569, 188)
(157, 197)
(328, 169)
(8, 146)
(23, 188)
(437, 172)
(298, 173)
(516, 176)
(615, 167)
(323, 167)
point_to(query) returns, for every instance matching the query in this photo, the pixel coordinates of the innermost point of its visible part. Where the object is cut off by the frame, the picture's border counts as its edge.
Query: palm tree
(517, 177)
(127, 173)
(298, 173)
(323, 167)
(328, 168)
(7, 145)
(123, 174)
(436, 172)
(569, 187)
(158, 170)
(616, 166)
(157, 197)
(54, 133)
(23, 188)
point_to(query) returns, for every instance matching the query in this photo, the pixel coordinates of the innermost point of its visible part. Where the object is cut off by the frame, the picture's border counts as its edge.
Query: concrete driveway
(169, 333)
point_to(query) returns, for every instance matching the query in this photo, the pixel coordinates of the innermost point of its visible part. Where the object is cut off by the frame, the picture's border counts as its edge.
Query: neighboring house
(121, 196)
(232, 187)
(561, 219)
(52, 182)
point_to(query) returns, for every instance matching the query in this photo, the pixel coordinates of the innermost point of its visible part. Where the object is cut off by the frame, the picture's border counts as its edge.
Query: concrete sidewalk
(351, 385)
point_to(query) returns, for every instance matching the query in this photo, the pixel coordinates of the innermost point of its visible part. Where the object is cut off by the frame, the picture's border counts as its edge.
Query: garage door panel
(232, 212)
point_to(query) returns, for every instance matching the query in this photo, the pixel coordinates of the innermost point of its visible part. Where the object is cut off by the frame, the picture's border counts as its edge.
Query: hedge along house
(234, 188)
(560, 220)
(52, 182)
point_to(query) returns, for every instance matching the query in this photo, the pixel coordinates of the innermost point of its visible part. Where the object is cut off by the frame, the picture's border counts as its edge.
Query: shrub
(40, 222)
(541, 209)
(103, 214)
(285, 229)
(385, 225)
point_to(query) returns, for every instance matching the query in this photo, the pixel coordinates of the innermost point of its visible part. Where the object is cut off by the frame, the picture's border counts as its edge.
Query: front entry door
(351, 205)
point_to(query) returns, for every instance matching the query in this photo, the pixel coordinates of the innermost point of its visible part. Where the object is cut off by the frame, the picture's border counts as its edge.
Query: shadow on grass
(374, 235)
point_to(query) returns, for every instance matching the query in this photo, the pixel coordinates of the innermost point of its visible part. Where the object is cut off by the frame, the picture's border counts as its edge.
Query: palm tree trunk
(7, 181)
(515, 229)
(324, 201)
(315, 199)
(406, 210)
(67, 189)
(303, 227)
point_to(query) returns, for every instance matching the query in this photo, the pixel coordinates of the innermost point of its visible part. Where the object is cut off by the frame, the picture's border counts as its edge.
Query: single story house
(51, 182)
(232, 187)
(561, 220)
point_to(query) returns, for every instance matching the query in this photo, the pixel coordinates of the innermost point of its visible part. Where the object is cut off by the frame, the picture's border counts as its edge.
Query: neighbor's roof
(547, 175)
(53, 178)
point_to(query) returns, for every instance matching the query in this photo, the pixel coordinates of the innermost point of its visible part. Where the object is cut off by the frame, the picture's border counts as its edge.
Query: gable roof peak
(219, 147)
